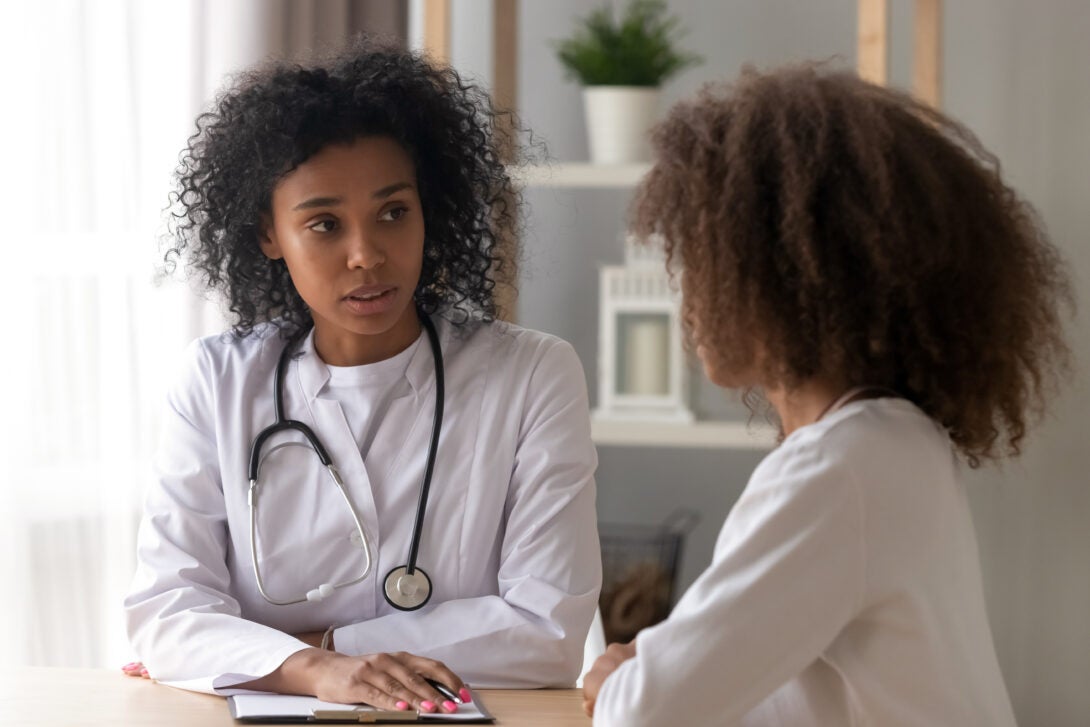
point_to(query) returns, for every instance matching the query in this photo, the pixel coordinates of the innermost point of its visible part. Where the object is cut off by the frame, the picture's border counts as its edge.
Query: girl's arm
(786, 578)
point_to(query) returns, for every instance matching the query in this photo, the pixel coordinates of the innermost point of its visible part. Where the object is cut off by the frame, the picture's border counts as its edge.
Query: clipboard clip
(363, 716)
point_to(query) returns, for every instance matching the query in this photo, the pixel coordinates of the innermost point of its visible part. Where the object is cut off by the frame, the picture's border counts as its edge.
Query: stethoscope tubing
(433, 446)
(253, 542)
(282, 423)
(407, 603)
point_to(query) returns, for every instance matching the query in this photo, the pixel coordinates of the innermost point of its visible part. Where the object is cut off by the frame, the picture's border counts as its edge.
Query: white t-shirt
(366, 392)
(845, 589)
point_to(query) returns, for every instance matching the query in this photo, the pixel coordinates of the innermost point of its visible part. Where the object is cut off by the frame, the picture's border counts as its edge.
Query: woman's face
(706, 345)
(349, 226)
(716, 372)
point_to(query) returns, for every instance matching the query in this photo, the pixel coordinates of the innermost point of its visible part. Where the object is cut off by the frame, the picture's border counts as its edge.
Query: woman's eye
(323, 226)
(394, 214)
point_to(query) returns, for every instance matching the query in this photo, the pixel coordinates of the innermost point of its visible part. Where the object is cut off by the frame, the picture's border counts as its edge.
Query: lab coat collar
(420, 373)
(313, 373)
(421, 369)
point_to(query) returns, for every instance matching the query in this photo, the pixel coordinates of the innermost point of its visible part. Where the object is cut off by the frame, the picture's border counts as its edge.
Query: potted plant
(621, 65)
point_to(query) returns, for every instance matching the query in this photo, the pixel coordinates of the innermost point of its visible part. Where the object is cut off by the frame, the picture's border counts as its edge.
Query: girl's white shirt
(845, 589)
(510, 540)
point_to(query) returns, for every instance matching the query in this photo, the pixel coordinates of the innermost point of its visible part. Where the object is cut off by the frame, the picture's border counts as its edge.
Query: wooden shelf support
(437, 30)
(873, 47)
(927, 52)
(505, 99)
(873, 41)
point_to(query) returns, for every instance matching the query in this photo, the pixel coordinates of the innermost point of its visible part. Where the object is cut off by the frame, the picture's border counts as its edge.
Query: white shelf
(698, 435)
(634, 433)
(579, 174)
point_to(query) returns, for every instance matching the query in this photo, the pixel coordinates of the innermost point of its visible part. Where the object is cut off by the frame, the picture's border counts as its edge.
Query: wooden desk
(42, 697)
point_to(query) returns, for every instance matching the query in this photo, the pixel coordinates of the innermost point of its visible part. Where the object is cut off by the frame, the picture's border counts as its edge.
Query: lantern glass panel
(643, 354)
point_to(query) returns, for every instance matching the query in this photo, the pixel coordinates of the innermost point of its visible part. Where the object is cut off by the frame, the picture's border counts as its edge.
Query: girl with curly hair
(855, 257)
(351, 214)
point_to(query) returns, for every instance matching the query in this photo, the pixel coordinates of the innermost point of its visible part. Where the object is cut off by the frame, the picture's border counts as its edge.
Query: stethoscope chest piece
(407, 591)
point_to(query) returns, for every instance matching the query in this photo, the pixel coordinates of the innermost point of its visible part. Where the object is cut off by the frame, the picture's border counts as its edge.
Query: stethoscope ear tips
(321, 592)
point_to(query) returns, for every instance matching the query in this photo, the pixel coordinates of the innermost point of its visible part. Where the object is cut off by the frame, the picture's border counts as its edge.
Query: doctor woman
(422, 504)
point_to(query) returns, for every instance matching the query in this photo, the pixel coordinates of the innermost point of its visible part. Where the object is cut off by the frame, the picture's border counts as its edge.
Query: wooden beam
(927, 52)
(437, 30)
(505, 54)
(873, 41)
(505, 98)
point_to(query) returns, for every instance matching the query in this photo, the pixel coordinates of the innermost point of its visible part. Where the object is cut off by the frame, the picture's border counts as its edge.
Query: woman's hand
(604, 665)
(387, 681)
(135, 669)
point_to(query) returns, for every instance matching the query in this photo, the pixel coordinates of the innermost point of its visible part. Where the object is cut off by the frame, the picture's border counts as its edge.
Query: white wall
(1016, 72)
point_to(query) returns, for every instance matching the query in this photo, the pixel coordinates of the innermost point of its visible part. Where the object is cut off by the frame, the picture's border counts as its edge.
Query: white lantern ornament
(641, 362)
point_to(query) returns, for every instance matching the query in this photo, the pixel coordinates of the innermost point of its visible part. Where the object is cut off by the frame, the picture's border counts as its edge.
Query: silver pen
(444, 690)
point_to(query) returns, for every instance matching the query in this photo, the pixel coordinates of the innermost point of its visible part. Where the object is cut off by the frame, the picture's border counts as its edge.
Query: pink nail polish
(450, 706)
(427, 706)
(402, 705)
(465, 695)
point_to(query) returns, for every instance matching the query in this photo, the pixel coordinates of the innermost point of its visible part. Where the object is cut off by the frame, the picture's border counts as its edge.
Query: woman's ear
(266, 237)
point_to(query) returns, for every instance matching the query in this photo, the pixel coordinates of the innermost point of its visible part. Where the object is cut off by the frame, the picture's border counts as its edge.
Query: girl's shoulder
(868, 429)
(871, 426)
(872, 442)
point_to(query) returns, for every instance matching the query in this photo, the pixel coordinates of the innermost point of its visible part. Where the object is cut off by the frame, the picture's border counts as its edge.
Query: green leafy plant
(637, 51)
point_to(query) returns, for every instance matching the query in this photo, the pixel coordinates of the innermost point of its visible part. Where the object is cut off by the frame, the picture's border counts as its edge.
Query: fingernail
(450, 706)
(144, 672)
(427, 706)
(402, 705)
(465, 695)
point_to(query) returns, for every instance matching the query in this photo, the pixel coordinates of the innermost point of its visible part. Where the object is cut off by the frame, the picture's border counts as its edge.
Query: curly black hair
(826, 226)
(276, 116)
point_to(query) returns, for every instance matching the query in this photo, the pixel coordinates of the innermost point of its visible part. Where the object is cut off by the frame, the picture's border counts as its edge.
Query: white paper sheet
(268, 706)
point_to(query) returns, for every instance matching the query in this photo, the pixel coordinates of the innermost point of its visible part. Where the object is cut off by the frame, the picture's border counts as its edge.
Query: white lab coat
(845, 589)
(510, 540)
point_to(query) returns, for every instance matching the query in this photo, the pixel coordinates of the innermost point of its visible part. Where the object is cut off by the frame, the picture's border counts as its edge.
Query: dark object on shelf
(639, 573)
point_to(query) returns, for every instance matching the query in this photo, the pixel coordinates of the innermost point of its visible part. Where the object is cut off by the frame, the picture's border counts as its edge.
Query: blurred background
(100, 96)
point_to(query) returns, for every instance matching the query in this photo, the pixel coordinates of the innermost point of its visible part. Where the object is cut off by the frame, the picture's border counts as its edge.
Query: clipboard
(280, 708)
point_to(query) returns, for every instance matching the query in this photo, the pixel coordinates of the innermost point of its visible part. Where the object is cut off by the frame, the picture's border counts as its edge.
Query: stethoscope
(406, 587)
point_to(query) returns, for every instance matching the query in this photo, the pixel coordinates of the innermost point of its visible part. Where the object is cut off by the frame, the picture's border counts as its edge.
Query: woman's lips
(370, 299)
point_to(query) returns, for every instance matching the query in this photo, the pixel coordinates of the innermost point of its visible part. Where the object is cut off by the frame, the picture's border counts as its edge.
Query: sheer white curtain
(104, 95)
(100, 97)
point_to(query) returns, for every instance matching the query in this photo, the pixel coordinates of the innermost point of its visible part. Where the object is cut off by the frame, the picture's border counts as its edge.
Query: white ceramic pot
(618, 119)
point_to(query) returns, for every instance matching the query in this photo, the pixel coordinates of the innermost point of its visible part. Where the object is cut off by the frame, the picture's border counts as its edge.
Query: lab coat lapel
(407, 426)
(332, 428)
